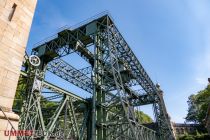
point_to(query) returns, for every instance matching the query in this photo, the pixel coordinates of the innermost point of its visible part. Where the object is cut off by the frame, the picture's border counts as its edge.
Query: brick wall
(15, 23)
(13, 40)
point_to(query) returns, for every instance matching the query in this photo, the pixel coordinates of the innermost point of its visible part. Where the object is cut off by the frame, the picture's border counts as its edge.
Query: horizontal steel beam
(76, 77)
(57, 89)
(70, 74)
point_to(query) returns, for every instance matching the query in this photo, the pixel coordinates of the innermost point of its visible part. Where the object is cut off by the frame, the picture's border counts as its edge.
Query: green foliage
(18, 101)
(194, 137)
(197, 106)
(48, 109)
(142, 117)
(186, 137)
(20, 95)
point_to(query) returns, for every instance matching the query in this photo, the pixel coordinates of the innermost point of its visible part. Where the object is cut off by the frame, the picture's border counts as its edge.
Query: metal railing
(82, 23)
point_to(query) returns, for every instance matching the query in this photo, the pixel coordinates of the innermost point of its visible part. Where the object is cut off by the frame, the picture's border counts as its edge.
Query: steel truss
(113, 70)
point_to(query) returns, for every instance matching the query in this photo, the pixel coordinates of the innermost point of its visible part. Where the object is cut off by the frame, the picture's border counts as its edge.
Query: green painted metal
(51, 124)
(113, 70)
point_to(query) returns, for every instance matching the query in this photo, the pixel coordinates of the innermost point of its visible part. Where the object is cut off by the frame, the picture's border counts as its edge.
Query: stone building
(182, 128)
(15, 23)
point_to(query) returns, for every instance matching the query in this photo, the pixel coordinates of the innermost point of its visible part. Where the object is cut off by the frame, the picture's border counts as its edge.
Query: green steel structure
(112, 72)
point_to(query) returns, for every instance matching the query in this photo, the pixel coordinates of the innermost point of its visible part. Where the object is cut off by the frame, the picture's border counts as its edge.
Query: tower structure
(15, 22)
(113, 71)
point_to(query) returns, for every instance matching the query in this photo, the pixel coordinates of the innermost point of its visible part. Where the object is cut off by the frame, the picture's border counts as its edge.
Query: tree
(192, 115)
(197, 106)
(194, 137)
(142, 117)
(20, 94)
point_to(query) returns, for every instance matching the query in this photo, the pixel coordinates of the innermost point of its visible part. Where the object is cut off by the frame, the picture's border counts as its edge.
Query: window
(12, 12)
(177, 130)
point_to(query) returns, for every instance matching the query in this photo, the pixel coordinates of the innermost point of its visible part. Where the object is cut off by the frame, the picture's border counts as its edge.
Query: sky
(170, 38)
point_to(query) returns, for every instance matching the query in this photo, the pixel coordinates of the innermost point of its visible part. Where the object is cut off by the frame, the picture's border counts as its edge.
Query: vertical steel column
(31, 117)
(98, 112)
(100, 94)
(93, 116)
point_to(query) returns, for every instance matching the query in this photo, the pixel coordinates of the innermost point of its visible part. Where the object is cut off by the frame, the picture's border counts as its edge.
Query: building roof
(185, 125)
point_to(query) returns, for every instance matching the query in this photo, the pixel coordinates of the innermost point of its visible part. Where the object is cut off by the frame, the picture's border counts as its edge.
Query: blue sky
(170, 38)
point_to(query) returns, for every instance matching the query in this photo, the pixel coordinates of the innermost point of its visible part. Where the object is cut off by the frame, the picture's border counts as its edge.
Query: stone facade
(182, 128)
(15, 22)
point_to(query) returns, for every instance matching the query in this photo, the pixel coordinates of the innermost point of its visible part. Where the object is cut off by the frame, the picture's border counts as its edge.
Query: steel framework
(113, 69)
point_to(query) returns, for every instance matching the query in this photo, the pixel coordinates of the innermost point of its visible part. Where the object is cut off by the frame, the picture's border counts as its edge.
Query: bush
(194, 137)
(186, 137)
(202, 137)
